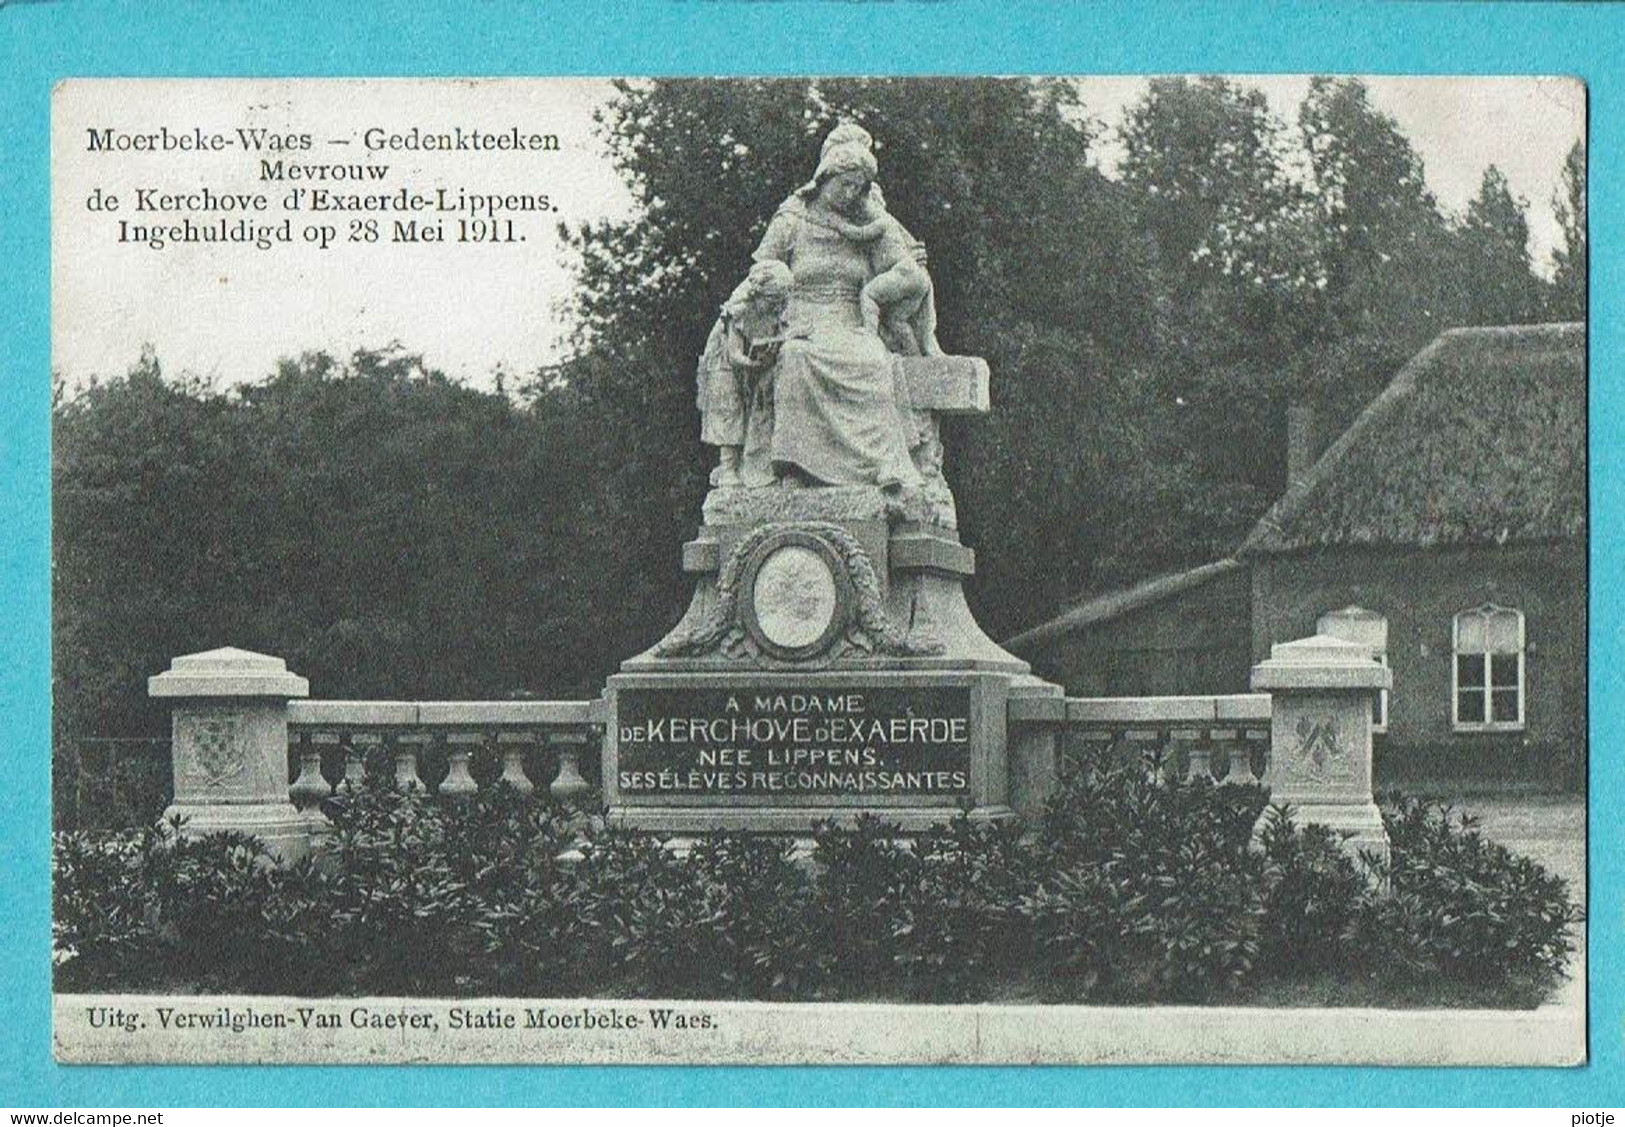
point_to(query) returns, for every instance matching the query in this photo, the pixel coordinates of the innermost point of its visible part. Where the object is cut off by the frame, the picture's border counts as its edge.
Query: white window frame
(1488, 724)
(1379, 719)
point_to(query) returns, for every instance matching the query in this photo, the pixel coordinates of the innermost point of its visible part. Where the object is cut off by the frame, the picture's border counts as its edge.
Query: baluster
(1144, 744)
(325, 743)
(408, 750)
(1198, 756)
(357, 747)
(354, 769)
(307, 791)
(569, 786)
(460, 747)
(1234, 753)
(1258, 753)
(514, 746)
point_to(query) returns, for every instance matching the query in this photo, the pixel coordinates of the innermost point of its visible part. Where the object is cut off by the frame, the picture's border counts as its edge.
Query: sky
(228, 315)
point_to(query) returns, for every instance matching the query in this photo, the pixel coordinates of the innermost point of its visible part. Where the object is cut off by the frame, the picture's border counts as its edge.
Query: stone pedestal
(1320, 736)
(230, 751)
(828, 666)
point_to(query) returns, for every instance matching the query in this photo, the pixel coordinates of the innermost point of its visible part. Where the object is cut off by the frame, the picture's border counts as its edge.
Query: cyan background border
(42, 41)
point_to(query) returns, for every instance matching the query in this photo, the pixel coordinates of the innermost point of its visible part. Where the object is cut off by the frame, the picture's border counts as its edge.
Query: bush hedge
(1131, 890)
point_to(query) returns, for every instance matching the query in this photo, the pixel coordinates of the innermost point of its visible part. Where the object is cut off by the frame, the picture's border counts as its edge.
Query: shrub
(462, 878)
(1077, 922)
(648, 913)
(215, 897)
(100, 926)
(1314, 893)
(1135, 890)
(541, 941)
(498, 839)
(757, 900)
(1466, 906)
(863, 877)
(525, 906)
(150, 907)
(954, 923)
(1153, 890)
(1199, 920)
(395, 899)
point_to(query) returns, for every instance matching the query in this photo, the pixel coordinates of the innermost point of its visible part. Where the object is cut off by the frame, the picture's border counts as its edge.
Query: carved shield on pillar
(217, 748)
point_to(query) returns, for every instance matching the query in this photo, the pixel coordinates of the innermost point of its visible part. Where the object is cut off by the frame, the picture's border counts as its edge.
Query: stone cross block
(1320, 736)
(947, 385)
(230, 745)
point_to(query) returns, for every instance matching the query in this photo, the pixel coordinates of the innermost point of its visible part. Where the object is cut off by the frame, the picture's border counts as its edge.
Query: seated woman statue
(837, 414)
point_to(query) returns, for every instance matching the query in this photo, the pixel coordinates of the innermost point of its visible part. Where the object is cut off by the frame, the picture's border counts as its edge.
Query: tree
(386, 530)
(1493, 247)
(1387, 250)
(1206, 163)
(1569, 279)
(137, 466)
(1238, 277)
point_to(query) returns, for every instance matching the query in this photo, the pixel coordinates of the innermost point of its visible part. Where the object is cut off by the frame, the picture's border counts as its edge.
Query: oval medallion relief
(797, 602)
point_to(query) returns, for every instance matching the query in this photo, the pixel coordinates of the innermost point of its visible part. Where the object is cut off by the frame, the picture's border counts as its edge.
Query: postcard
(820, 570)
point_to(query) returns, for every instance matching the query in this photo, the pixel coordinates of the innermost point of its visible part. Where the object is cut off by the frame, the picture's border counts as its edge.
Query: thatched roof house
(1445, 529)
(1115, 604)
(1480, 439)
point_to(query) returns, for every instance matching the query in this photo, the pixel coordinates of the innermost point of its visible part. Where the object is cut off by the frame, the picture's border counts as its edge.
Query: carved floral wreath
(869, 629)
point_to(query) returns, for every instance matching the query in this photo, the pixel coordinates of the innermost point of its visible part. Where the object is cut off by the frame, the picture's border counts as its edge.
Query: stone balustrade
(242, 728)
(1307, 738)
(451, 748)
(1223, 738)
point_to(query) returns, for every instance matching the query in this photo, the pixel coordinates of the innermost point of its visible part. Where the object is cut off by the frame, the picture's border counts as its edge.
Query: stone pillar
(230, 754)
(1320, 736)
(1035, 724)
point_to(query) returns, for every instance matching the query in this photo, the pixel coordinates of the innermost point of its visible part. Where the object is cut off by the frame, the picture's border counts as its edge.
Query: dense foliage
(1133, 891)
(392, 533)
(1465, 905)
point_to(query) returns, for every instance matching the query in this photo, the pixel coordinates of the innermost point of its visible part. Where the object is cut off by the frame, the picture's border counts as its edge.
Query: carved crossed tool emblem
(1318, 743)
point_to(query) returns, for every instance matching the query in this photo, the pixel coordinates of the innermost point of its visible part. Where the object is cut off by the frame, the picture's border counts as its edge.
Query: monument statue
(828, 662)
(833, 407)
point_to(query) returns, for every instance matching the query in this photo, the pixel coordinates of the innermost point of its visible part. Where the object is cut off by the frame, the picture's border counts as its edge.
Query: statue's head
(765, 288)
(844, 175)
(847, 133)
(768, 283)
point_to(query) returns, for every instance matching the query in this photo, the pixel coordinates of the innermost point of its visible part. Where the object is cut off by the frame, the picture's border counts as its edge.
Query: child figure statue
(739, 355)
(897, 303)
(900, 293)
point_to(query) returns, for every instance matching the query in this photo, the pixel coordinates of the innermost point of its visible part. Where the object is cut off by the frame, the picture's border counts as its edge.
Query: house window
(1489, 670)
(1364, 628)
